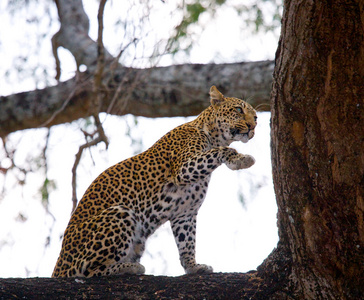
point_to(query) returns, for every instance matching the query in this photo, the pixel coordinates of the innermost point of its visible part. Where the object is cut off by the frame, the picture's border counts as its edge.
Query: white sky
(230, 237)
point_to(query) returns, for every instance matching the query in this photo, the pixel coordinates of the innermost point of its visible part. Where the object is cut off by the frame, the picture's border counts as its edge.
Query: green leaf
(194, 11)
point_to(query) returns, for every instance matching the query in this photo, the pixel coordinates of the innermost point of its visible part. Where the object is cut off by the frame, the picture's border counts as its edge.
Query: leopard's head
(235, 119)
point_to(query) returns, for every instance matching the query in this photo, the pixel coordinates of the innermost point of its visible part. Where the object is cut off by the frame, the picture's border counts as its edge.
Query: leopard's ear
(216, 97)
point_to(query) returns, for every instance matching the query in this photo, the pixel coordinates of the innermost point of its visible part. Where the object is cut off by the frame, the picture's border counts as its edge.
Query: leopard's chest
(170, 204)
(183, 199)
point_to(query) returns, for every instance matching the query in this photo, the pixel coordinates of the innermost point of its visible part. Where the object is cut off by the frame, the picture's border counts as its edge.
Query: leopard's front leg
(193, 175)
(184, 231)
(200, 165)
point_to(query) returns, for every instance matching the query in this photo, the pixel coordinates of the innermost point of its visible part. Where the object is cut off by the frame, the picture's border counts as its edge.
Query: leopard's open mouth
(234, 131)
(240, 136)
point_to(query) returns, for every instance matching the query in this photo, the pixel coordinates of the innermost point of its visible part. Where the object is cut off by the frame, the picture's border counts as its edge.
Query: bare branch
(212, 286)
(100, 137)
(73, 34)
(180, 90)
(58, 111)
(55, 46)
(100, 49)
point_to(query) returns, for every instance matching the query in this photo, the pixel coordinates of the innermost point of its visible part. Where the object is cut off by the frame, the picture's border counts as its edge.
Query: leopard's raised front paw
(240, 161)
(199, 269)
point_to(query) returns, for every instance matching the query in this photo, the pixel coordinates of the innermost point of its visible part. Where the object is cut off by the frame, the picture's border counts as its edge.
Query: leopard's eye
(239, 110)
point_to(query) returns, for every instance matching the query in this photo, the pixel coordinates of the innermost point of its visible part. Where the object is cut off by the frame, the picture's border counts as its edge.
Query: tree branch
(180, 90)
(73, 34)
(156, 92)
(211, 286)
(101, 137)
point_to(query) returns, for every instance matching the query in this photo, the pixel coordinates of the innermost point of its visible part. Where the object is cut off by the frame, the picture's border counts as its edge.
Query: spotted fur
(126, 203)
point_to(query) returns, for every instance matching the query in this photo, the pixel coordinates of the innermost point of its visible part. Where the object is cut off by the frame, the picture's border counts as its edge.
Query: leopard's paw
(199, 269)
(240, 161)
(129, 268)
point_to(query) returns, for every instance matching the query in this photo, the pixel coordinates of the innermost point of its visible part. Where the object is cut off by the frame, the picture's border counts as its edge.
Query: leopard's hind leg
(110, 244)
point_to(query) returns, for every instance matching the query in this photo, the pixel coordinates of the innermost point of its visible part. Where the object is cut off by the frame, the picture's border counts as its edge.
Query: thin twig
(58, 111)
(55, 46)
(100, 48)
(98, 76)
(75, 165)
(115, 97)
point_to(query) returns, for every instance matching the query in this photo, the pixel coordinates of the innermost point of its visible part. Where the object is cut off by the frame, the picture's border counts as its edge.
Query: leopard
(125, 204)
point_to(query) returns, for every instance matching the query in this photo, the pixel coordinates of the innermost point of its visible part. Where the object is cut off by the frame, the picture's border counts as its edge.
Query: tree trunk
(318, 149)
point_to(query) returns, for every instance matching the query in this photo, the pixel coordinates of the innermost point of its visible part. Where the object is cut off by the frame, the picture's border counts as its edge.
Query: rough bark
(318, 149)
(212, 286)
(180, 90)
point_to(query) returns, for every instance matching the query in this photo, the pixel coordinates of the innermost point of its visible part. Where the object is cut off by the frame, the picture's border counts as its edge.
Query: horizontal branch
(212, 286)
(180, 90)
